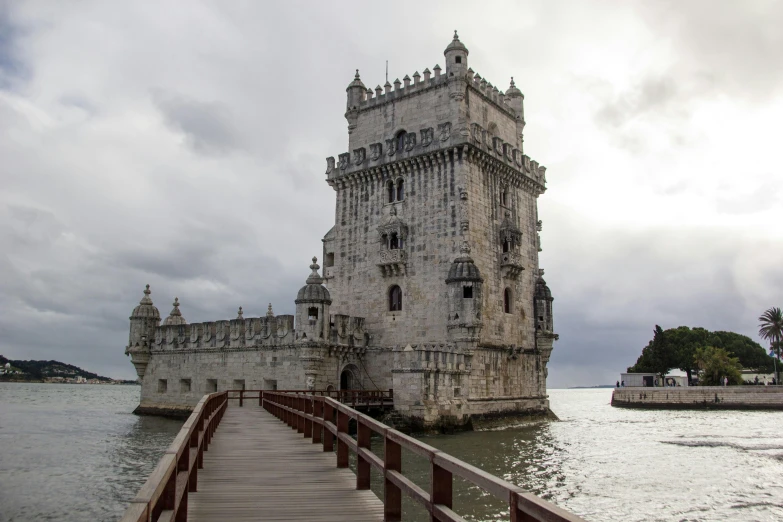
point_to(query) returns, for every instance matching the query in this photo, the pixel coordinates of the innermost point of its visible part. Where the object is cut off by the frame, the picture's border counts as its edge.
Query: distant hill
(42, 370)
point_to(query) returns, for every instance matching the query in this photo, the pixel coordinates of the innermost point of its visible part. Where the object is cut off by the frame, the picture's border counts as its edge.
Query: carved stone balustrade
(511, 264)
(392, 262)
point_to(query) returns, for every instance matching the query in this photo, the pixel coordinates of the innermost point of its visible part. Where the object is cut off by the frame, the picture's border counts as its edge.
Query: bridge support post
(342, 447)
(318, 412)
(440, 488)
(307, 402)
(362, 465)
(300, 419)
(328, 436)
(392, 495)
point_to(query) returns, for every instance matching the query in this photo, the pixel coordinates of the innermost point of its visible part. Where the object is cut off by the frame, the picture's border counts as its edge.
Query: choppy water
(71, 452)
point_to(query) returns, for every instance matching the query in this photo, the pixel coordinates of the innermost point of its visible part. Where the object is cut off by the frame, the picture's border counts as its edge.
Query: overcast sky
(182, 144)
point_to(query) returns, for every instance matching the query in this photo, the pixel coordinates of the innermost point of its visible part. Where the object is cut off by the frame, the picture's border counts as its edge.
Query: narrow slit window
(390, 191)
(400, 190)
(507, 300)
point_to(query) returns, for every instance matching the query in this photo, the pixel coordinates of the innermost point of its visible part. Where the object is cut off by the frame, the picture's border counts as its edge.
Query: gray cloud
(100, 197)
(207, 125)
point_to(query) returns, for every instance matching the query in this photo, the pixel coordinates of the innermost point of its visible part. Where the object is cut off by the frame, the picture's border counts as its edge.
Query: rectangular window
(162, 385)
(211, 385)
(329, 260)
(239, 384)
(467, 292)
(184, 385)
(270, 384)
(457, 392)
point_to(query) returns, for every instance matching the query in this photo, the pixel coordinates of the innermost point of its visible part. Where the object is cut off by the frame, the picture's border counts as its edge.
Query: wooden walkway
(259, 469)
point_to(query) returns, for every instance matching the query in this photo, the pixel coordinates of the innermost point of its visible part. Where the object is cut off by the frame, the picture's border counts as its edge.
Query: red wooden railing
(164, 497)
(354, 398)
(325, 420)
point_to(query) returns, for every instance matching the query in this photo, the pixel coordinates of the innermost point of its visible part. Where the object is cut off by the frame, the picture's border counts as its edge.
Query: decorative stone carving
(376, 151)
(193, 333)
(445, 130)
(359, 155)
(158, 336)
(207, 332)
(516, 155)
(511, 265)
(427, 135)
(507, 148)
(497, 146)
(310, 382)
(478, 133)
(329, 165)
(344, 160)
(409, 140)
(463, 194)
(391, 147)
(464, 225)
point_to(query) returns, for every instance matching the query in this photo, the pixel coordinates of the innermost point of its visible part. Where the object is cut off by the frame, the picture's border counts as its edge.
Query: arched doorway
(349, 378)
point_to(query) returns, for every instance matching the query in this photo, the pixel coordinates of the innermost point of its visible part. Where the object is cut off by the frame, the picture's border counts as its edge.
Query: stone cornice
(526, 176)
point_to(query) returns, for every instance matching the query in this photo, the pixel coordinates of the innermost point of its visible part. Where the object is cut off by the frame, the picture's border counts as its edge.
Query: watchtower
(435, 239)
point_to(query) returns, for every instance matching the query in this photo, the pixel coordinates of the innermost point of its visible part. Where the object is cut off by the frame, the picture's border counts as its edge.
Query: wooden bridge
(256, 468)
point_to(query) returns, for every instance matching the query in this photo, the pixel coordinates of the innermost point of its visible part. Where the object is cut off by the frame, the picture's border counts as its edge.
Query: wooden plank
(257, 469)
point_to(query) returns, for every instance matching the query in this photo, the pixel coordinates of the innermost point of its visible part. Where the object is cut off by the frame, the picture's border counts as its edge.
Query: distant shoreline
(108, 383)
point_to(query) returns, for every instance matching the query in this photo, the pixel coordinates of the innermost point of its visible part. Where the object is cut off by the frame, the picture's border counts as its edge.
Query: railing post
(440, 488)
(308, 409)
(261, 398)
(328, 436)
(392, 496)
(342, 447)
(362, 465)
(241, 398)
(300, 418)
(318, 412)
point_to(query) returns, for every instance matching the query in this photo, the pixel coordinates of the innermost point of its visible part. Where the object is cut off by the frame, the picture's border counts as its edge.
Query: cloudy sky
(182, 144)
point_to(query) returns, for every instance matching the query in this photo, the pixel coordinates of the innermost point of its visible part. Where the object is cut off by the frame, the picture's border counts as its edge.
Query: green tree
(771, 329)
(657, 357)
(714, 364)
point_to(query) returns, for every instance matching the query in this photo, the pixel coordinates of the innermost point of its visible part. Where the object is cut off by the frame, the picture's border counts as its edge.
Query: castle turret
(464, 284)
(456, 58)
(143, 321)
(312, 308)
(356, 93)
(516, 100)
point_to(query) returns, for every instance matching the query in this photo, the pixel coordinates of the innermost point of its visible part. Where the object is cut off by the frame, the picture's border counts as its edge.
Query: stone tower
(436, 243)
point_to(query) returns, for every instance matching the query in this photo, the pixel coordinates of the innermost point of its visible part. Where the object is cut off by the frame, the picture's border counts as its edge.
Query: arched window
(395, 298)
(401, 141)
(400, 190)
(507, 300)
(390, 190)
(505, 246)
(312, 314)
(394, 241)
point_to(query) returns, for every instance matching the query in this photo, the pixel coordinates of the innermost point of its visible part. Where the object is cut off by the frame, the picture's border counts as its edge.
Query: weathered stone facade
(431, 285)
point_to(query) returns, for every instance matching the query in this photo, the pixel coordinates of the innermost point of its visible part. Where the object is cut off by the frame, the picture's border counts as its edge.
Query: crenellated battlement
(427, 147)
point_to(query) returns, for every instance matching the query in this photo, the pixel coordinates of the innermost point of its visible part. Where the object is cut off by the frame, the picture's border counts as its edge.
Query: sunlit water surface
(75, 452)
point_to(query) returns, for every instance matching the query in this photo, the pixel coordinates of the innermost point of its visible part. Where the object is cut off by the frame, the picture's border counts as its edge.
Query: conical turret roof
(314, 291)
(175, 317)
(145, 309)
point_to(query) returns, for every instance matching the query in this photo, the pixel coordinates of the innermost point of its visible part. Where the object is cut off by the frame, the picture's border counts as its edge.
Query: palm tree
(771, 329)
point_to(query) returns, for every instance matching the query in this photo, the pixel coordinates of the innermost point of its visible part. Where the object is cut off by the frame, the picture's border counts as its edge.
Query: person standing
(725, 380)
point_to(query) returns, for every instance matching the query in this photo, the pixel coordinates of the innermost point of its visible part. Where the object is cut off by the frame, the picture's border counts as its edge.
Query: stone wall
(700, 397)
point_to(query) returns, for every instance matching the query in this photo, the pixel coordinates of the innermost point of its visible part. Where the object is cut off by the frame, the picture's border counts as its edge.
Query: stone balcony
(511, 264)
(392, 262)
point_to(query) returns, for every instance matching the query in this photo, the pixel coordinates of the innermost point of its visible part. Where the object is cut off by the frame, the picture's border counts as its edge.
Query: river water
(75, 452)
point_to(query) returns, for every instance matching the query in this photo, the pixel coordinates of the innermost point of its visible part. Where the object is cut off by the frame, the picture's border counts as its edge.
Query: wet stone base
(451, 424)
(171, 413)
